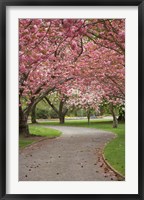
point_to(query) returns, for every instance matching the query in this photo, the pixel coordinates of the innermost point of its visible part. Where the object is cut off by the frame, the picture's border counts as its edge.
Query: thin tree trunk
(115, 121)
(33, 115)
(23, 126)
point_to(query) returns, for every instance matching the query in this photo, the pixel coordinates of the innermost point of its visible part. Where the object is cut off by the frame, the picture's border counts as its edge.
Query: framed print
(71, 99)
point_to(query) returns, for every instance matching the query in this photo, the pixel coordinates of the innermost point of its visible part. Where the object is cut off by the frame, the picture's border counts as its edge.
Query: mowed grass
(39, 132)
(79, 123)
(42, 131)
(114, 151)
(23, 142)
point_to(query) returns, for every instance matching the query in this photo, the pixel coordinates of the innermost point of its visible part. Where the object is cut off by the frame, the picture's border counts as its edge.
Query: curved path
(74, 156)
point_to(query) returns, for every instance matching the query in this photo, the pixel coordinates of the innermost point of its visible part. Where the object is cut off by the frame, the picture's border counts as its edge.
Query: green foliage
(104, 109)
(53, 114)
(44, 111)
(76, 113)
(45, 114)
(79, 113)
(41, 113)
(121, 113)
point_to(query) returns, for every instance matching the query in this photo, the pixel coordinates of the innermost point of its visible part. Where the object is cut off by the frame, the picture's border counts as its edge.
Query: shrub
(41, 113)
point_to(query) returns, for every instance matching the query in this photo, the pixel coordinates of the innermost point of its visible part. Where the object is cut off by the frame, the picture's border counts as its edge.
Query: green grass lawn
(114, 151)
(23, 142)
(42, 131)
(37, 131)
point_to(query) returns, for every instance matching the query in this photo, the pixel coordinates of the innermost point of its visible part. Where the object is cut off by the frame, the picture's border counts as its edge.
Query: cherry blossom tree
(45, 62)
(87, 99)
(54, 53)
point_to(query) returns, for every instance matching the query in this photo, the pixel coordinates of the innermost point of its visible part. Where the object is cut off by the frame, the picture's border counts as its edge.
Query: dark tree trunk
(62, 111)
(62, 119)
(23, 125)
(115, 121)
(121, 117)
(88, 117)
(33, 115)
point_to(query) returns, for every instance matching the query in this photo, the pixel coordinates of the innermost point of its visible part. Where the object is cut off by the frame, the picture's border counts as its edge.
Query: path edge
(45, 138)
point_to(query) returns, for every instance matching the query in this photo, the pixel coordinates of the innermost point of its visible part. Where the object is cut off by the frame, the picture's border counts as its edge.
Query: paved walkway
(74, 156)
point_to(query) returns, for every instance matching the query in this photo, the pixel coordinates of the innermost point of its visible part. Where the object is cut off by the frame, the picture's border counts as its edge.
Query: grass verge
(114, 151)
(37, 133)
(42, 131)
(23, 142)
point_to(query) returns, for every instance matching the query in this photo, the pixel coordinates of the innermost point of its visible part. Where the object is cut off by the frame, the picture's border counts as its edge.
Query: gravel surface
(74, 156)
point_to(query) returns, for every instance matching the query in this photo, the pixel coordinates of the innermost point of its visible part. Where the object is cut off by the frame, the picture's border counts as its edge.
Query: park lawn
(80, 123)
(23, 142)
(114, 151)
(40, 132)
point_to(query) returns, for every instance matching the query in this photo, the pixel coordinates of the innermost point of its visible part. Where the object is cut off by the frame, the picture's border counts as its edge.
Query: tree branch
(52, 106)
